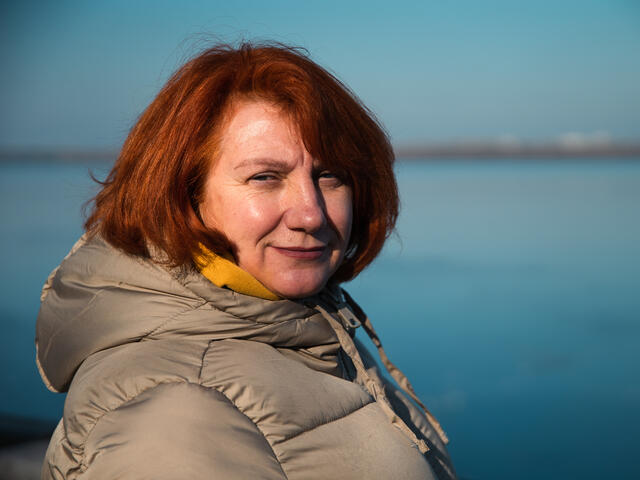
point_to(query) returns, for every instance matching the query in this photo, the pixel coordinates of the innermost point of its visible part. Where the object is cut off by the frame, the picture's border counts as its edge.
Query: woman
(198, 327)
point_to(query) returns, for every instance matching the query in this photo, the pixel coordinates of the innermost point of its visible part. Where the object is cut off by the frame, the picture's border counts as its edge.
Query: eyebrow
(264, 162)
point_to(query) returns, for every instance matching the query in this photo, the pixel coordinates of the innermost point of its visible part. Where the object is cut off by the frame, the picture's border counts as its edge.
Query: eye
(329, 178)
(264, 177)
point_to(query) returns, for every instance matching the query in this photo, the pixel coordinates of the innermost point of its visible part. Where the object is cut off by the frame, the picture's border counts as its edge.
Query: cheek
(340, 211)
(247, 219)
(254, 211)
(232, 211)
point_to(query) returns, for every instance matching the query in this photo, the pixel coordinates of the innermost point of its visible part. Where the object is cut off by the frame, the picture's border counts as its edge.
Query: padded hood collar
(100, 297)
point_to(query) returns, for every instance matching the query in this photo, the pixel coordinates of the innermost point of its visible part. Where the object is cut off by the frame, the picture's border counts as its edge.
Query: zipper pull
(347, 317)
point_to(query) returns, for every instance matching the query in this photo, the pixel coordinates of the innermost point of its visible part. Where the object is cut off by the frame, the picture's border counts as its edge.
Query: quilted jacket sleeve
(174, 431)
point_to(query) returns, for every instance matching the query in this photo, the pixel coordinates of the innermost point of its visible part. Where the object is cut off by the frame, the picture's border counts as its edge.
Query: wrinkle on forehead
(220, 140)
(251, 130)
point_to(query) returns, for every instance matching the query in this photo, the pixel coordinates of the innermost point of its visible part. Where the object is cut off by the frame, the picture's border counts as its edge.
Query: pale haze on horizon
(77, 74)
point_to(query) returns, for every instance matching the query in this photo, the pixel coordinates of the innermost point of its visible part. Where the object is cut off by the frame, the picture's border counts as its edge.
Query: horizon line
(434, 150)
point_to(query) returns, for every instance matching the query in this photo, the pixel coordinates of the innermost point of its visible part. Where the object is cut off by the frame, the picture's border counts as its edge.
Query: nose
(305, 207)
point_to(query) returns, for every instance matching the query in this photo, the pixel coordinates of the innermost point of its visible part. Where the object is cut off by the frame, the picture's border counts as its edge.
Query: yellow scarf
(224, 273)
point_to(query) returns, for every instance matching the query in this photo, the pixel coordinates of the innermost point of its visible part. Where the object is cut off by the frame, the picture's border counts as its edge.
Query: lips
(303, 253)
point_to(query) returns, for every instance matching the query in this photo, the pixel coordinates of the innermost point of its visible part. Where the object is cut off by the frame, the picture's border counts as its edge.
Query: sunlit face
(288, 217)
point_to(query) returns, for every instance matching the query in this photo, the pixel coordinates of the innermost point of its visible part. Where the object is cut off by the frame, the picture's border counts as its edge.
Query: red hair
(151, 196)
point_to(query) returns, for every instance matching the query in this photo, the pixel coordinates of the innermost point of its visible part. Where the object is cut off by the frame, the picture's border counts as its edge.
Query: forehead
(258, 130)
(257, 121)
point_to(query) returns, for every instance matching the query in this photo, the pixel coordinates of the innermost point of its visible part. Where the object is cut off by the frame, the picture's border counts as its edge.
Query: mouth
(303, 253)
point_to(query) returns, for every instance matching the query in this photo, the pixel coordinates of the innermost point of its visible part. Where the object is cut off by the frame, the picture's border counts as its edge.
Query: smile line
(301, 252)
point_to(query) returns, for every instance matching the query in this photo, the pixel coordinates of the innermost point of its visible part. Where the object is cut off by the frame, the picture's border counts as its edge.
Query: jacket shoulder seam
(204, 355)
(257, 428)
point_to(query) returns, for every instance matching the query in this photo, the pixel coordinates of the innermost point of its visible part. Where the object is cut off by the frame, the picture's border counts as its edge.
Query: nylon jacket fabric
(170, 377)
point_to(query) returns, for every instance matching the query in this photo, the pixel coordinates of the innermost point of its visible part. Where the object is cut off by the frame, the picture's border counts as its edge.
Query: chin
(296, 287)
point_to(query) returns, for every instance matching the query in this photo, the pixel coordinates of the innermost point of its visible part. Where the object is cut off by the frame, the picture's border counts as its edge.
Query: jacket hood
(100, 297)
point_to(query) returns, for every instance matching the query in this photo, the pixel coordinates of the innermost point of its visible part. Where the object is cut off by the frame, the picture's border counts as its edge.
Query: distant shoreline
(525, 151)
(56, 155)
(448, 151)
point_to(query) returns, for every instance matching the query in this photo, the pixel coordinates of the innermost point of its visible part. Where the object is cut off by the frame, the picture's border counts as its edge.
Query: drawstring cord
(350, 321)
(395, 372)
(376, 391)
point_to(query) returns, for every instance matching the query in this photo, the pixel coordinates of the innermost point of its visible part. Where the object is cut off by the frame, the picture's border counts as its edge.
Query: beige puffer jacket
(171, 377)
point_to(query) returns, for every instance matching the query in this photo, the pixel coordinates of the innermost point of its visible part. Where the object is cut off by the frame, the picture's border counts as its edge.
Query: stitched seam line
(128, 399)
(279, 322)
(206, 303)
(202, 361)
(83, 461)
(256, 318)
(257, 428)
(173, 317)
(303, 319)
(204, 355)
(325, 423)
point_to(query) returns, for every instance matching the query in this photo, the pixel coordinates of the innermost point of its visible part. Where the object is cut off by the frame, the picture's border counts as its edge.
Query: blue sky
(78, 73)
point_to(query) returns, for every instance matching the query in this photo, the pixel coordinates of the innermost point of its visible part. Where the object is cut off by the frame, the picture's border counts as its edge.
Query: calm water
(511, 298)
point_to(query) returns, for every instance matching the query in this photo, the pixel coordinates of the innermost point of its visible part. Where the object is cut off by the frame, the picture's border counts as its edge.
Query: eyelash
(267, 177)
(261, 177)
(335, 179)
(327, 172)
